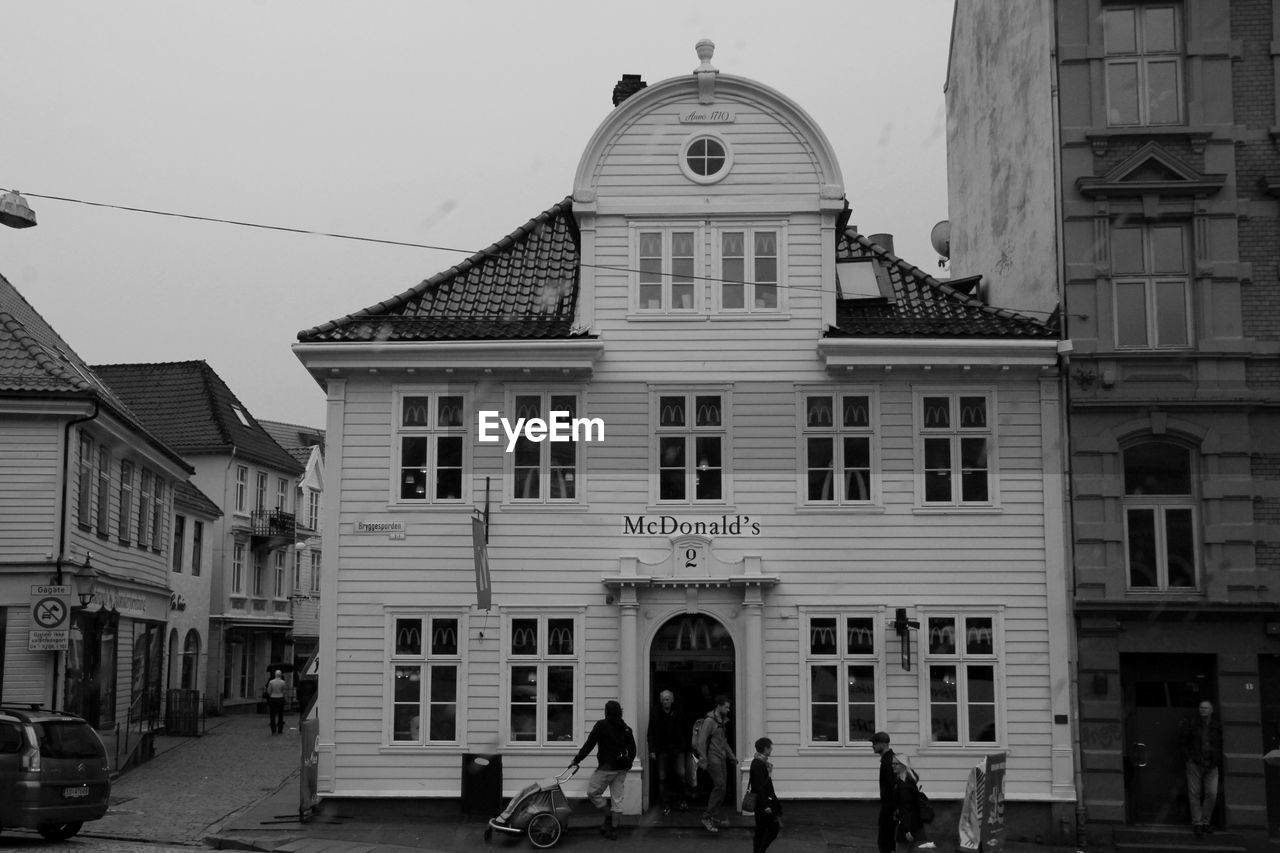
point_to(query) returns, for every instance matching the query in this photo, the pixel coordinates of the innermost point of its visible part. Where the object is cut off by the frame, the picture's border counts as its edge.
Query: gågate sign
(50, 618)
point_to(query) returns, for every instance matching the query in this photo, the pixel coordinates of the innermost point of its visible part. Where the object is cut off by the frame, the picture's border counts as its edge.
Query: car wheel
(59, 831)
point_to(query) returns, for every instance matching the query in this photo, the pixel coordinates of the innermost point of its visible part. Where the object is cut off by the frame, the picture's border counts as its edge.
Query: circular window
(705, 159)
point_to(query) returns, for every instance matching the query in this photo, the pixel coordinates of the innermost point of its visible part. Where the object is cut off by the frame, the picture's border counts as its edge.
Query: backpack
(924, 807)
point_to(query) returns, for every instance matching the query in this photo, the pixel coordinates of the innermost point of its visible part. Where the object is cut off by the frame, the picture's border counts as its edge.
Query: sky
(440, 123)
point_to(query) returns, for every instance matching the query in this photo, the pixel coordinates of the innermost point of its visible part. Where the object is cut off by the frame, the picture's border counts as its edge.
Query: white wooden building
(804, 437)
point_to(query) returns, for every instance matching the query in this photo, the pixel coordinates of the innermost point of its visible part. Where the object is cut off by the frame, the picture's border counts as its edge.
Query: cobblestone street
(194, 784)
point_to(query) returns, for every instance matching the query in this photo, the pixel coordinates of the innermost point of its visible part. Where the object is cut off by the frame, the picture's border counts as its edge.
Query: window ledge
(1198, 135)
(520, 506)
(978, 749)
(840, 509)
(430, 507)
(400, 748)
(957, 510)
(667, 509)
(705, 316)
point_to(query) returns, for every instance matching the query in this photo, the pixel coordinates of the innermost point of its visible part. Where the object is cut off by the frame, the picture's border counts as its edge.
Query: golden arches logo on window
(861, 638)
(708, 412)
(416, 411)
(524, 640)
(857, 411)
(942, 638)
(973, 415)
(693, 634)
(409, 638)
(560, 640)
(822, 636)
(820, 413)
(444, 637)
(672, 413)
(450, 414)
(937, 414)
(979, 639)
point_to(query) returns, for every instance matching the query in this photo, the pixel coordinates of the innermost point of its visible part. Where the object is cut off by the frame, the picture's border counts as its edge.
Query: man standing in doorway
(668, 748)
(1203, 747)
(275, 703)
(886, 842)
(715, 756)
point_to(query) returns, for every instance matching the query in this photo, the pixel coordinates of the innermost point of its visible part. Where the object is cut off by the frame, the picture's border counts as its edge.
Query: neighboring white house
(190, 583)
(86, 502)
(796, 454)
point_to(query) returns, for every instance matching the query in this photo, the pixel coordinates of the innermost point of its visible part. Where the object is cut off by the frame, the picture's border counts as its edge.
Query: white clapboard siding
(29, 487)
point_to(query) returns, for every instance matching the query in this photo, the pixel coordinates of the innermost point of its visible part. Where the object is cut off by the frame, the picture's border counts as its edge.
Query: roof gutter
(844, 353)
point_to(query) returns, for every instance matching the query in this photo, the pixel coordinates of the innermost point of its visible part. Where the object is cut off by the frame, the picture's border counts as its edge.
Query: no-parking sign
(50, 618)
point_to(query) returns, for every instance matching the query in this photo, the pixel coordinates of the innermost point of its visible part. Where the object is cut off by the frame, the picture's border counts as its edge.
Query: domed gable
(673, 145)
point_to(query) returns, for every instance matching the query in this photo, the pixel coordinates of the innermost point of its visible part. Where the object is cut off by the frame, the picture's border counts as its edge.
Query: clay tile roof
(36, 361)
(923, 306)
(188, 497)
(188, 405)
(296, 440)
(525, 286)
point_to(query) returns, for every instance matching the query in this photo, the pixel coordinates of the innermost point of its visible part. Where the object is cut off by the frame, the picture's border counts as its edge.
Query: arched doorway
(692, 655)
(191, 660)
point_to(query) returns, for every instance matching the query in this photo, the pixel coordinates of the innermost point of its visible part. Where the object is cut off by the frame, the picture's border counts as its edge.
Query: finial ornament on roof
(706, 72)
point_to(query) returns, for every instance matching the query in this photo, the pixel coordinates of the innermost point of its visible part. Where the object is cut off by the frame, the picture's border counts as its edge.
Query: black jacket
(762, 783)
(1203, 744)
(906, 800)
(887, 778)
(668, 732)
(616, 742)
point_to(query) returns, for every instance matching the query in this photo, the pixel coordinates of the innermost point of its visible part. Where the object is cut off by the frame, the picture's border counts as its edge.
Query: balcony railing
(272, 528)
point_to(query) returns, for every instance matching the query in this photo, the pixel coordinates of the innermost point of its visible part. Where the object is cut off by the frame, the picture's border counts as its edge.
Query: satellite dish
(940, 237)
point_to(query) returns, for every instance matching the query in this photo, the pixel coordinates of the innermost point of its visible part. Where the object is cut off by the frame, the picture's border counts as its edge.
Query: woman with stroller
(617, 751)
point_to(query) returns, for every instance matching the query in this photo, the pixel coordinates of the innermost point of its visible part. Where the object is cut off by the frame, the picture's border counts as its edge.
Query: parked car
(54, 773)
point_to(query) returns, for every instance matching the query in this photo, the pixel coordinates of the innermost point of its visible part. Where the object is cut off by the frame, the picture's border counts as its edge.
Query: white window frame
(179, 541)
(159, 507)
(837, 432)
(424, 661)
(842, 659)
(315, 571)
(1142, 61)
(197, 546)
(515, 473)
(313, 508)
(697, 274)
(691, 433)
(146, 506)
(85, 482)
(282, 494)
(431, 432)
(957, 435)
(541, 661)
(260, 491)
(749, 229)
(102, 517)
(124, 526)
(242, 488)
(278, 579)
(714, 177)
(960, 659)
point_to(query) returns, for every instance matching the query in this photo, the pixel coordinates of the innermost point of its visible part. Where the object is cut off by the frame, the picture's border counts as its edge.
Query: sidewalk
(236, 787)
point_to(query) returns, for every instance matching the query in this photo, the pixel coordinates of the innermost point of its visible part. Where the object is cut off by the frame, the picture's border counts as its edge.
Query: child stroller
(540, 811)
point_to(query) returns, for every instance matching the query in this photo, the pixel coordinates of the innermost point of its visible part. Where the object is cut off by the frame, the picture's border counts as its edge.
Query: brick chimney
(626, 87)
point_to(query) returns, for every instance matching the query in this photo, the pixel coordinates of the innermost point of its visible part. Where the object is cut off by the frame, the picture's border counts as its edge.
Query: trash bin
(182, 713)
(481, 784)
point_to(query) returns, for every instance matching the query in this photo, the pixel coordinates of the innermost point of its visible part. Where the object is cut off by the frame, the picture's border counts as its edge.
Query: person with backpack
(616, 751)
(715, 756)
(768, 809)
(906, 798)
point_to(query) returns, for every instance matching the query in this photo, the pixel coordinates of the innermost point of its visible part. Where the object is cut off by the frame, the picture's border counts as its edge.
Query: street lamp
(15, 212)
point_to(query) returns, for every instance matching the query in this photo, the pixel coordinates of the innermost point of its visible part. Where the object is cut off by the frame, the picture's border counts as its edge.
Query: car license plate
(76, 793)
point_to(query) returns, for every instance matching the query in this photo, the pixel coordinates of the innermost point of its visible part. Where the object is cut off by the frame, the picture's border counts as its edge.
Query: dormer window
(705, 158)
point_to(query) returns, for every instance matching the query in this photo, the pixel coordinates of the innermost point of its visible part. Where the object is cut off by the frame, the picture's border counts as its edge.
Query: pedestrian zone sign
(50, 618)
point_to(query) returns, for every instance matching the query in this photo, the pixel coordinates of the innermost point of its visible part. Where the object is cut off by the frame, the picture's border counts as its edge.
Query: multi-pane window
(260, 491)
(279, 588)
(315, 572)
(691, 439)
(1143, 44)
(84, 490)
(104, 490)
(961, 664)
(297, 570)
(242, 487)
(124, 525)
(667, 265)
(179, 537)
(433, 437)
(842, 659)
(282, 494)
(1149, 269)
(237, 569)
(838, 433)
(1159, 517)
(158, 506)
(313, 508)
(749, 270)
(542, 670)
(957, 442)
(145, 508)
(545, 470)
(197, 545)
(425, 665)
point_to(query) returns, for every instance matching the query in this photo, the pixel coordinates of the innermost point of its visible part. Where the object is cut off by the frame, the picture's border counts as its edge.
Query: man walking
(275, 703)
(1203, 748)
(617, 750)
(885, 829)
(668, 746)
(715, 756)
